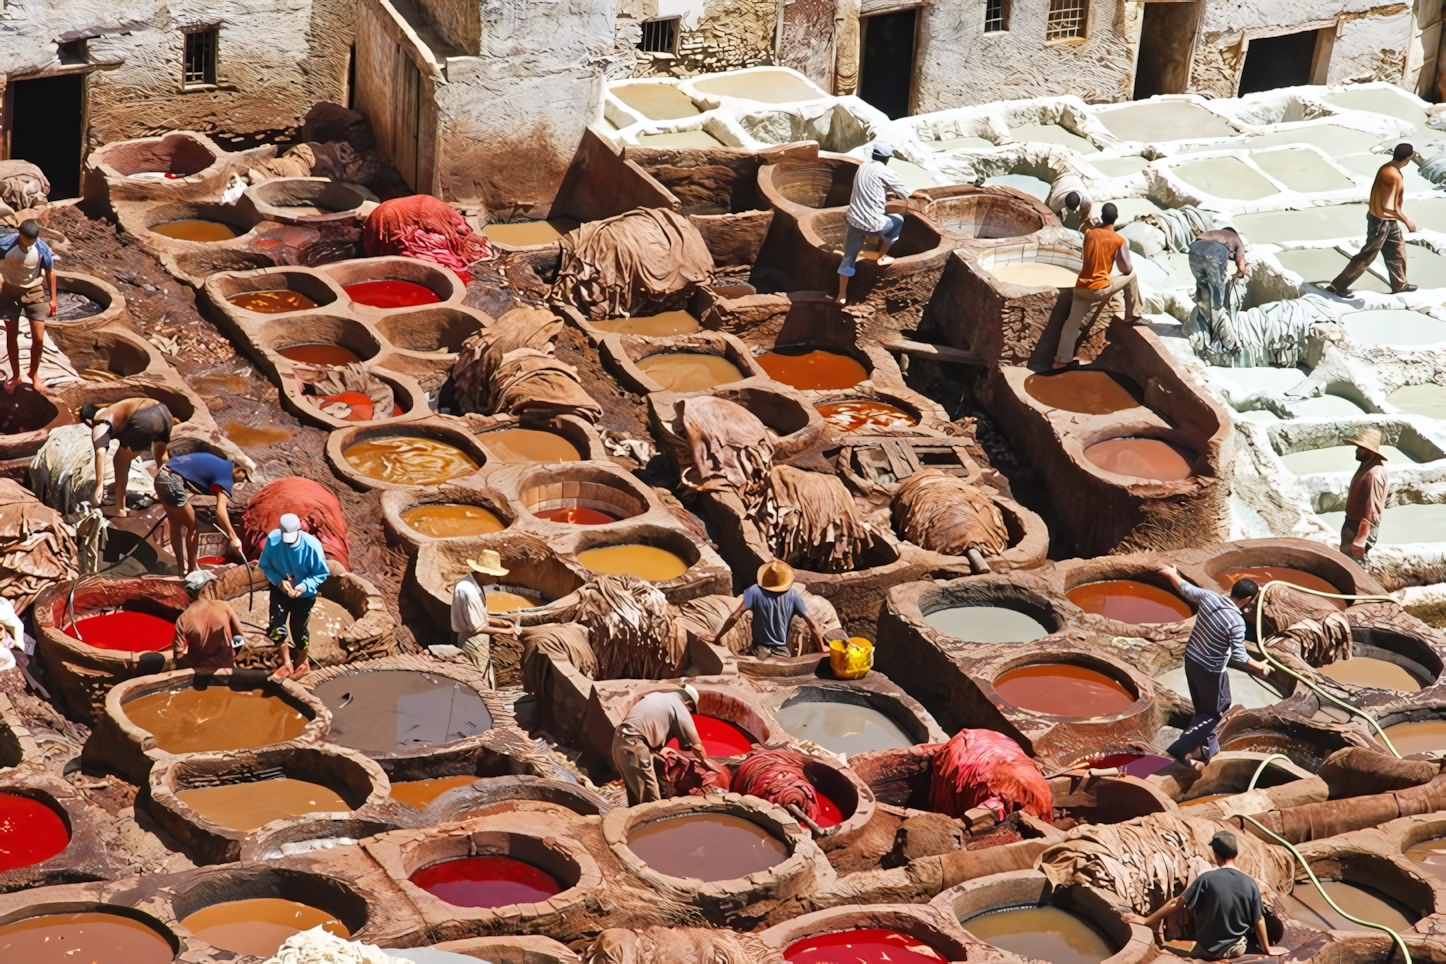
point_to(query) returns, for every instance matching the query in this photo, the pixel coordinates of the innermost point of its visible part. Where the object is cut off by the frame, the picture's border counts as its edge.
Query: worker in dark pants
(295, 565)
(1384, 219)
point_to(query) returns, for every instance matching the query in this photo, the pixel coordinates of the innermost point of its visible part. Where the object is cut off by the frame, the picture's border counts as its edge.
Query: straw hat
(489, 562)
(775, 576)
(1369, 439)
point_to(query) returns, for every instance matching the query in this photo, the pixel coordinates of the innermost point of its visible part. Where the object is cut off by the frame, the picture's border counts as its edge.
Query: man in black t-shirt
(1224, 906)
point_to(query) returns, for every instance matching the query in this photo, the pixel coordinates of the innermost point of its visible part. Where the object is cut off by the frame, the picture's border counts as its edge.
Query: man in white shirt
(26, 263)
(471, 622)
(1070, 200)
(873, 183)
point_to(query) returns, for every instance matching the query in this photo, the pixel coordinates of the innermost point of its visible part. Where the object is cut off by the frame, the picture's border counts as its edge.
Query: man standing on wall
(1384, 218)
(1366, 500)
(873, 183)
(1103, 247)
(27, 268)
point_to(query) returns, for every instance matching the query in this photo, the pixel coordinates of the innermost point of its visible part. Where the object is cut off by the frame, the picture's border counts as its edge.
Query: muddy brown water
(633, 559)
(246, 806)
(83, 938)
(812, 369)
(421, 793)
(1370, 671)
(215, 718)
(317, 353)
(1130, 601)
(450, 520)
(1305, 906)
(1430, 856)
(661, 325)
(525, 233)
(708, 846)
(524, 445)
(259, 925)
(1422, 736)
(394, 711)
(1087, 392)
(842, 727)
(502, 601)
(255, 437)
(683, 371)
(329, 619)
(1063, 689)
(276, 302)
(409, 460)
(1042, 934)
(195, 229)
(1142, 458)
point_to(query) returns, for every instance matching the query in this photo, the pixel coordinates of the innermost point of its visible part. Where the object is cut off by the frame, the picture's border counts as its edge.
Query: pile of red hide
(314, 503)
(984, 768)
(689, 776)
(777, 776)
(423, 227)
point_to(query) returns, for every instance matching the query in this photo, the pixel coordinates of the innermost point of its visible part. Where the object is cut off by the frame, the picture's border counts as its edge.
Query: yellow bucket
(850, 660)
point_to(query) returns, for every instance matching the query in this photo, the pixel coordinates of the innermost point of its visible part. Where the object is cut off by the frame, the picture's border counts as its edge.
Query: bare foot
(37, 384)
(11, 384)
(885, 260)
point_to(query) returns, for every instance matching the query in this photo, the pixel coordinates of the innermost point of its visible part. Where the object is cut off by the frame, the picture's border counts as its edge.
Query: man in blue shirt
(206, 474)
(774, 602)
(295, 565)
(26, 266)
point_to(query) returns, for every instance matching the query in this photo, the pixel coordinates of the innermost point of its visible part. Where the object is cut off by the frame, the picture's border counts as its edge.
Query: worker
(1217, 641)
(293, 563)
(650, 724)
(136, 424)
(774, 602)
(1384, 218)
(1224, 904)
(1210, 257)
(205, 474)
(1070, 201)
(1103, 247)
(27, 268)
(208, 631)
(471, 620)
(873, 183)
(1366, 499)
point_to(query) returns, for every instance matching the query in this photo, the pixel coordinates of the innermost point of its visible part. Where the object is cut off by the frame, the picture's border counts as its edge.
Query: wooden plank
(939, 353)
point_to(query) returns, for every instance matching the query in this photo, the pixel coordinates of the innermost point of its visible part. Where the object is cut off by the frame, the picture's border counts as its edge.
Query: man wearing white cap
(295, 565)
(471, 621)
(1366, 500)
(873, 183)
(650, 724)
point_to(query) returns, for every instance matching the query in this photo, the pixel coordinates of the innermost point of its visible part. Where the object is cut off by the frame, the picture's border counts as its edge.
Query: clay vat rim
(1319, 563)
(521, 787)
(61, 907)
(930, 209)
(915, 728)
(1318, 743)
(266, 841)
(406, 392)
(536, 475)
(583, 866)
(100, 156)
(108, 393)
(1418, 655)
(1090, 911)
(1433, 709)
(279, 331)
(901, 264)
(415, 497)
(361, 266)
(582, 454)
(774, 195)
(401, 316)
(48, 800)
(1391, 868)
(53, 634)
(1142, 697)
(80, 281)
(323, 184)
(1421, 829)
(429, 426)
(245, 880)
(1171, 436)
(111, 335)
(496, 712)
(1043, 609)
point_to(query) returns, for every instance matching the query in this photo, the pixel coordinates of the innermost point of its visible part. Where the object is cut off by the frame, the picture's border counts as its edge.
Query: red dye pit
(1063, 689)
(29, 832)
(391, 293)
(1130, 601)
(486, 882)
(870, 945)
(212, 561)
(720, 737)
(124, 631)
(1135, 764)
(829, 815)
(577, 515)
(1265, 574)
(361, 406)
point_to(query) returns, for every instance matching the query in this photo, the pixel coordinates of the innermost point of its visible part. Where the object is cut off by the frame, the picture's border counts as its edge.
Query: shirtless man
(138, 424)
(27, 268)
(1383, 228)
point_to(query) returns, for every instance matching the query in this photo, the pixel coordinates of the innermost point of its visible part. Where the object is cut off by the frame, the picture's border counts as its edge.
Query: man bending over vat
(1103, 247)
(295, 565)
(1224, 904)
(873, 184)
(471, 621)
(27, 267)
(1366, 500)
(774, 602)
(1384, 218)
(136, 424)
(650, 724)
(1210, 257)
(204, 474)
(208, 632)
(1070, 201)
(1217, 641)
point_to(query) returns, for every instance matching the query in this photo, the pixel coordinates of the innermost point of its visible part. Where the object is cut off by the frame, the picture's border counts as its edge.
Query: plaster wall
(714, 36)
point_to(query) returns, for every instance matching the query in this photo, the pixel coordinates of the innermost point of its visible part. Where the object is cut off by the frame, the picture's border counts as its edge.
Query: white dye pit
(1326, 406)
(1401, 525)
(1380, 100)
(957, 143)
(1119, 166)
(1036, 274)
(680, 139)
(764, 86)
(1319, 266)
(1327, 223)
(1335, 140)
(1336, 458)
(1428, 399)
(1020, 182)
(987, 624)
(1159, 121)
(1302, 170)
(1245, 689)
(1052, 134)
(1394, 326)
(1227, 177)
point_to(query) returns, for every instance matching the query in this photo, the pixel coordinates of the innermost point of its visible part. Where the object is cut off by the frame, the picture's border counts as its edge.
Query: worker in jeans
(295, 565)
(873, 183)
(774, 602)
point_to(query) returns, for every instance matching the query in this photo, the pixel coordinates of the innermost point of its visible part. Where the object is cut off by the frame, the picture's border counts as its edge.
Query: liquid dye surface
(645, 562)
(275, 302)
(812, 369)
(359, 408)
(720, 737)
(491, 881)
(1087, 392)
(661, 325)
(871, 945)
(215, 718)
(421, 793)
(450, 520)
(320, 354)
(250, 436)
(1308, 224)
(30, 832)
(391, 293)
(1331, 138)
(1063, 689)
(1268, 574)
(1157, 121)
(1422, 736)
(1030, 185)
(84, 938)
(259, 925)
(1305, 906)
(1036, 274)
(986, 624)
(1227, 177)
(1401, 524)
(1395, 326)
(576, 515)
(698, 138)
(526, 233)
(394, 711)
(1326, 406)
(1379, 100)
(689, 371)
(1336, 458)
(1371, 671)
(862, 415)
(1246, 689)
(246, 806)
(1119, 166)
(521, 445)
(1042, 934)
(1143, 458)
(1320, 265)
(656, 101)
(765, 86)
(842, 727)
(1428, 399)
(1130, 601)
(409, 460)
(1052, 134)
(501, 601)
(195, 229)
(1302, 170)
(707, 846)
(124, 631)
(1430, 856)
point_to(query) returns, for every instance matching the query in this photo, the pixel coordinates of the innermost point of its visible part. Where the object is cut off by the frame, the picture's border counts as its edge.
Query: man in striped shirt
(873, 183)
(1217, 641)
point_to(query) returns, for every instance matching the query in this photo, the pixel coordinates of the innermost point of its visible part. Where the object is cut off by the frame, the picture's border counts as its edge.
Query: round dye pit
(1422, 736)
(1430, 856)
(1336, 458)
(409, 460)
(987, 624)
(348, 406)
(486, 882)
(503, 601)
(195, 229)
(689, 371)
(656, 101)
(1036, 274)
(576, 515)
(1135, 764)
(1371, 671)
(73, 306)
(85, 938)
(1157, 121)
(661, 325)
(215, 718)
(707, 846)
(523, 234)
(391, 293)
(1267, 574)
(397, 711)
(1130, 601)
(862, 414)
(317, 353)
(421, 793)
(1086, 392)
(1063, 689)
(247, 806)
(870, 945)
(259, 925)
(846, 728)
(1042, 934)
(720, 737)
(1226, 177)
(526, 445)
(1394, 326)
(645, 562)
(1428, 399)
(451, 520)
(30, 832)
(1143, 458)
(1305, 906)
(811, 369)
(277, 302)
(124, 631)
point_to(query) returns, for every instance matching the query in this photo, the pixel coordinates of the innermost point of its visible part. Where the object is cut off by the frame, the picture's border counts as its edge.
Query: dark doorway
(1166, 38)
(886, 71)
(47, 128)
(1283, 61)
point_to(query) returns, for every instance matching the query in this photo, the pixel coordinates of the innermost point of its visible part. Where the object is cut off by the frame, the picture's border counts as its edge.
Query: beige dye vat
(840, 727)
(1430, 856)
(634, 559)
(247, 806)
(1158, 121)
(452, 520)
(1395, 326)
(1052, 134)
(1036, 274)
(1320, 265)
(526, 233)
(661, 325)
(1325, 223)
(986, 624)
(1305, 906)
(259, 925)
(1042, 934)
(1086, 392)
(254, 437)
(1379, 100)
(1401, 524)
(216, 718)
(520, 446)
(421, 793)
(195, 229)
(707, 846)
(409, 460)
(1428, 399)
(1420, 736)
(502, 601)
(1143, 458)
(1227, 177)
(656, 101)
(1302, 170)
(689, 371)
(1370, 671)
(1336, 458)
(697, 138)
(764, 86)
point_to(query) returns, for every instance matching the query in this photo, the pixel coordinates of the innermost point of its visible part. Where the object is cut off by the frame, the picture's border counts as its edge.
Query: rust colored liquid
(212, 561)
(214, 718)
(393, 711)
(486, 882)
(1430, 856)
(708, 846)
(409, 460)
(521, 445)
(30, 832)
(1086, 392)
(1135, 764)
(1265, 574)
(252, 437)
(449, 520)
(645, 562)
(362, 409)
(1423, 736)
(84, 938)
(391, 293)
(576, 515)
(689, 371)
(661, 325)
(869, 945)
(195, 229)
(258, 926)
(124, 631)
(522, 234)
(275, 302)
(812, 369)
(1142, 458)
(1305, 905)
(319, 354)
(720, 737)
(1063, 689)
(856, 416)
(421, 793)
(1370, 671)
(246, 806)
(1130, 601)
(501, 601)
(829, 814)
(1042, 934)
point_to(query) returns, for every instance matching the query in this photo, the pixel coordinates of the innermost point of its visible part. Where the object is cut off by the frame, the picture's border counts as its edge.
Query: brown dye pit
(451, 520)
(320, 354)
(523, 445)
(1305, 906)
(1423, 736)
(689, 371)
(1130, 601)
(645, 562)
(84, 938)
(246, 806)
(215, 718)
(1063, 689)
(707, 846)
(421, 793)
(811, 369)
(396, 711)
(525, 233)
(1142, 458)
(501, 601)
(1042, 934)
(259, 925)
(275, 302)
(860, 414)
(1430, 856)
(253, 437)
(195, 229)
(1370, 671)
(1086, 392)
(661, 325)
(409, 460)
(1265, 574)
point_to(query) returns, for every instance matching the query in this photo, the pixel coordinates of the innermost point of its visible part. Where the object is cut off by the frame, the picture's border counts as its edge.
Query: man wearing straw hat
(774, 602)
(650, 724)
(471, 621)
(1367, 498)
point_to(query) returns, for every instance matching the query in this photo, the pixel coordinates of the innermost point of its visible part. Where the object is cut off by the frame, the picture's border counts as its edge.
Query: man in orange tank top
(1103, 247)
(1384, 219)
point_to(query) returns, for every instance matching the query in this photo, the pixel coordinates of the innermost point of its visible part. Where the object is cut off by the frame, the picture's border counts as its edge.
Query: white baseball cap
(290, 528)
